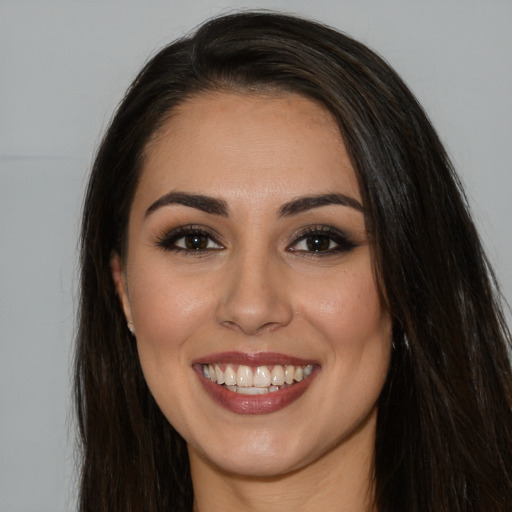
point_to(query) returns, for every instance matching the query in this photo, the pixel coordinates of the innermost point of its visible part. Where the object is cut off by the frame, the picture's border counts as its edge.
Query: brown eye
(321, 241)
(318, 243)
(195, 242)
(189, 239)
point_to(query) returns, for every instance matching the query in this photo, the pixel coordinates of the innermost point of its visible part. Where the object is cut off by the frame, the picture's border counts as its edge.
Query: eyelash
(168, 240)
(324, 234)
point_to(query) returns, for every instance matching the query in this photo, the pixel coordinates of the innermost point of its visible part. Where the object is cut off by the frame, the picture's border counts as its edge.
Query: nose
(255, 296)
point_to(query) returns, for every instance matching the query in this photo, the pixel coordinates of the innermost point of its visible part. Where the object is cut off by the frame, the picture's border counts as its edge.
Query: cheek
(347, 308)
(167, 314)
(356, 330)
(166, 311)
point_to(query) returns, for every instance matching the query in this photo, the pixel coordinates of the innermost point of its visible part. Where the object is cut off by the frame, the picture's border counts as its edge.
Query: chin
(255, 466)
(259, 455)
(269, 456)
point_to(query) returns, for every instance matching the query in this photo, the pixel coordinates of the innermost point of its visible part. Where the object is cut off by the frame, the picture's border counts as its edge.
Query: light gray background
(64, 65)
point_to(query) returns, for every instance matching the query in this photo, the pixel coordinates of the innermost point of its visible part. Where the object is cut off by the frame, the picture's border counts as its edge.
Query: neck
(340, 480)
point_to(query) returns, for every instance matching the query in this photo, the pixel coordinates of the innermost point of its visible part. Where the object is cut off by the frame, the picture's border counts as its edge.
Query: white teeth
(220, 375)
(211, 372)
(261, 377)
(248, 380)
(289, 373)
(277, 375)
(252, 391)
(248, 391)
(229, 376)
(244, 376)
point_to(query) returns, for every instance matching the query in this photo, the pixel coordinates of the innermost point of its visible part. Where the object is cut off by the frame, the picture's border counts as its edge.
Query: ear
(118, 275)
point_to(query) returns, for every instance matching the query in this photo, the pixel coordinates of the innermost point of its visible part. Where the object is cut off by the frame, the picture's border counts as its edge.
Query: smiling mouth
(256, 380)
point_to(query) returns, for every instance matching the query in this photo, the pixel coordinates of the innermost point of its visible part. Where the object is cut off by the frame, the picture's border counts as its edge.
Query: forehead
(251, 145)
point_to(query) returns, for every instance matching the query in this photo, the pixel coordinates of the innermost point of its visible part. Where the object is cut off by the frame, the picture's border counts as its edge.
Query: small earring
(130, 327)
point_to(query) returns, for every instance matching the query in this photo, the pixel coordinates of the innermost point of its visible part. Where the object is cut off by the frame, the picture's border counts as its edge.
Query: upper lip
(252, 359)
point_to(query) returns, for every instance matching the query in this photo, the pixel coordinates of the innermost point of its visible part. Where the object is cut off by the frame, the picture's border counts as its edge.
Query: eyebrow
(303, 204)
(216, 206)
(206, 204)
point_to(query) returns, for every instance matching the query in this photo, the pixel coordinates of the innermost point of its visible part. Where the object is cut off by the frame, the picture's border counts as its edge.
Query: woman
(285, 303)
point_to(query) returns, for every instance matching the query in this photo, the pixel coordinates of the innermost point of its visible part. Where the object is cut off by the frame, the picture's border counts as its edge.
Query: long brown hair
(445, 420)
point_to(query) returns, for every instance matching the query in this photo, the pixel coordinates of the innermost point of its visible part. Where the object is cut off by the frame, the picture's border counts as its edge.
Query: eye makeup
(320, 241)
(313, 241)
(191, 238)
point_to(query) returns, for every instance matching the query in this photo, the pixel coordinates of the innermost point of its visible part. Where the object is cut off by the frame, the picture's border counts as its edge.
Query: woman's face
(248, 266)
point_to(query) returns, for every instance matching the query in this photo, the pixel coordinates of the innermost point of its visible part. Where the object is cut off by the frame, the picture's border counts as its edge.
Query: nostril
(252, 299)
(254, 329)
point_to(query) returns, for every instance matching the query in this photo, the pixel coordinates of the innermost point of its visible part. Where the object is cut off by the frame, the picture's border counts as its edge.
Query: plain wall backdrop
(64, 66)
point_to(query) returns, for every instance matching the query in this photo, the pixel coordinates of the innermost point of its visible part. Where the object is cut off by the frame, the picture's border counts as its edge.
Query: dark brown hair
(444, 421)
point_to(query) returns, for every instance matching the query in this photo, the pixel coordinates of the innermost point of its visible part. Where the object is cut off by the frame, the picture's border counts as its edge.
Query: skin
(259, 287)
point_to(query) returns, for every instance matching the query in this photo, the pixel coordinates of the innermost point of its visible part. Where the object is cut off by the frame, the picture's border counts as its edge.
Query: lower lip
(254, 404)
